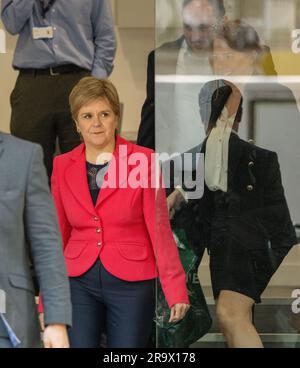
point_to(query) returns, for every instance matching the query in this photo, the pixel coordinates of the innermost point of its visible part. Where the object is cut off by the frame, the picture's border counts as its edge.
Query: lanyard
(45, 9)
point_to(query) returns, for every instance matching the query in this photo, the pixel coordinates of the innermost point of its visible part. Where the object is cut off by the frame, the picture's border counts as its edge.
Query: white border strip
(289, 79)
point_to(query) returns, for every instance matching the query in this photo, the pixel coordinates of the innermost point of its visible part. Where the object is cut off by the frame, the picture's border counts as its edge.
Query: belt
(54, 71)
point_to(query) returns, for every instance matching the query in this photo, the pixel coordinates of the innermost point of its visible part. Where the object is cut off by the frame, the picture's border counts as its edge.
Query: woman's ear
(77, 127)
(78, 130)
(117, 121)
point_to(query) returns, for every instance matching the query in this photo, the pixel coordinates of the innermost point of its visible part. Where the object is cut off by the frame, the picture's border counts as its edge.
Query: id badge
(42, 33)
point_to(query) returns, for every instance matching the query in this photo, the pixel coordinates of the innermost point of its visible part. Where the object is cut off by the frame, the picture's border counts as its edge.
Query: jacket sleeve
(273, 191)
(64, 225)
(15, 14)
(146, 134)
(276, 216)
(170, 270)
(45, 243)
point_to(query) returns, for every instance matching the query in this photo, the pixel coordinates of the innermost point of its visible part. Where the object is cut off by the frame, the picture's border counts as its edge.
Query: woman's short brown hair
(89, 89)
(240, 36)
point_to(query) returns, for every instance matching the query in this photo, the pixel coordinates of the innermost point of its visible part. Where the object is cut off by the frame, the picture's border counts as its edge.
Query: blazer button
(98, 230)
(96, 218)
(251, 164)
(99, 244)
(250, 188)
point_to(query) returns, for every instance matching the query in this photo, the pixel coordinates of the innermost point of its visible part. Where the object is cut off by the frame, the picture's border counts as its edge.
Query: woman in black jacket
(247, 230)
(243, 218)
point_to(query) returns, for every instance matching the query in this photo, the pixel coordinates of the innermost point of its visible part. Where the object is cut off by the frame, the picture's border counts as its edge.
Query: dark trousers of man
(102, 302)
(40, 110)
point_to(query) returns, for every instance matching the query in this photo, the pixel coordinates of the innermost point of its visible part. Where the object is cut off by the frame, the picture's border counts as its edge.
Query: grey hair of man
(218, 5)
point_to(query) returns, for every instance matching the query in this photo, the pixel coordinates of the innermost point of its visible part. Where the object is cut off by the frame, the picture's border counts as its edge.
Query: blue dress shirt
(83, 34)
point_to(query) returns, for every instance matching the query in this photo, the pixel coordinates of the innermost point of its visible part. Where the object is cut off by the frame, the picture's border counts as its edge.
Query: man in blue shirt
(60, 41)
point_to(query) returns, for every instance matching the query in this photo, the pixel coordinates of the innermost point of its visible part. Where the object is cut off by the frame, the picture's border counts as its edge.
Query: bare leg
(234, 314)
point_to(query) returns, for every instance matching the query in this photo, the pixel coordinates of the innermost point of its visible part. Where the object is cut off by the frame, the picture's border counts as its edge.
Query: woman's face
(97, 124)
(227, 61)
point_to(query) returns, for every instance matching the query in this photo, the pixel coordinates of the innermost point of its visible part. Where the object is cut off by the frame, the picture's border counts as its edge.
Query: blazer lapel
(118, 170)
(76, 179)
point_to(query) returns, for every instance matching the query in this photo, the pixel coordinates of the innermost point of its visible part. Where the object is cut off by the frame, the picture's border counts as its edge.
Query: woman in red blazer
(115, 228)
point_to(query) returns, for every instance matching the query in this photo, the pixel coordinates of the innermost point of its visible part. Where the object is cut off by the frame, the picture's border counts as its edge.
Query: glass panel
(227, 86)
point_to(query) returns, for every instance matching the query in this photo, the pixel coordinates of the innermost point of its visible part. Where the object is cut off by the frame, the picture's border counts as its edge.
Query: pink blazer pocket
(133, 251)
(75, 248)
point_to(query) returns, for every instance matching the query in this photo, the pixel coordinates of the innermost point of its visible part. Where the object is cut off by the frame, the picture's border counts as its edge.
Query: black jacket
(257, 214)
(161, 61)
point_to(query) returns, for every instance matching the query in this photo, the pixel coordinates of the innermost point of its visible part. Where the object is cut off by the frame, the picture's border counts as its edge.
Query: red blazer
(128, 228)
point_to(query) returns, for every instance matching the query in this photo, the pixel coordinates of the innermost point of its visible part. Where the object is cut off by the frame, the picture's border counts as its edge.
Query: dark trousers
(41, 113)
(102, 302)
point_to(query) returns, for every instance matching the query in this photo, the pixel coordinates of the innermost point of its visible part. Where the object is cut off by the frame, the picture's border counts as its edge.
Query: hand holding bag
(197, 321)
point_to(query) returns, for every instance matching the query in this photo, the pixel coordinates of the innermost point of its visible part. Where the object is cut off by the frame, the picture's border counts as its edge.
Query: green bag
(197, 321)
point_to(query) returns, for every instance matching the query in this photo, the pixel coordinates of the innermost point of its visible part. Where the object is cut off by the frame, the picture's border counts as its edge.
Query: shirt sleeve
(169, 267)
(44, 238)
(64, 225)
(104, 39)
(15, 14)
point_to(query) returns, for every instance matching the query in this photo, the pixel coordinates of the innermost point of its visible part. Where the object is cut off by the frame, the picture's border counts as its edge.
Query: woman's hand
(178, 312)
(175, 201)
(56, 337)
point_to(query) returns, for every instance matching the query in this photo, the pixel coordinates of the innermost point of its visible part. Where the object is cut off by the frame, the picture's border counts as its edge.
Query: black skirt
(233, 265)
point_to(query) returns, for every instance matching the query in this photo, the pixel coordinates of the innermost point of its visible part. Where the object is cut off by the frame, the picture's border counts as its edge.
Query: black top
(92, 172)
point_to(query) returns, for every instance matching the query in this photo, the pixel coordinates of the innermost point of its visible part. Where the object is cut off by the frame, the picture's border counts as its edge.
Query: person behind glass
(237, 51)
(251, 207)
(243, 215)
(117, 239)
(188, 55)
(247, 227)
(59, 43)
